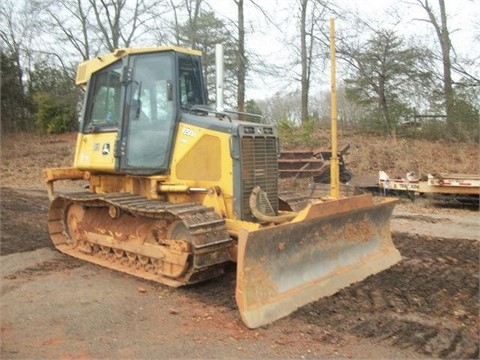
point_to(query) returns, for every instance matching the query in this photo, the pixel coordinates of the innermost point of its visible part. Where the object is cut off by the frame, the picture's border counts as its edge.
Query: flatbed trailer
(448, 184)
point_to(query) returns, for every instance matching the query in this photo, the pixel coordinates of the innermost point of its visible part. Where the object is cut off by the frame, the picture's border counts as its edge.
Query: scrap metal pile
(312, 163)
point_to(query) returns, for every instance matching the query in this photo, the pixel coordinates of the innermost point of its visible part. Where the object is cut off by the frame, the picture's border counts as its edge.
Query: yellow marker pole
(334, 167)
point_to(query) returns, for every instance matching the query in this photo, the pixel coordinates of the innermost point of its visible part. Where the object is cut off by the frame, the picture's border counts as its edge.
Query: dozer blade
(327, 247)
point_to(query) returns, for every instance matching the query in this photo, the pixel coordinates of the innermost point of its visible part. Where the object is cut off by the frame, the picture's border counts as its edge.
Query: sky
(268, 41)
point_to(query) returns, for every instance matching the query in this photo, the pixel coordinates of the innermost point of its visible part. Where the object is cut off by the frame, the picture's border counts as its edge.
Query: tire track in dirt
(427, 302)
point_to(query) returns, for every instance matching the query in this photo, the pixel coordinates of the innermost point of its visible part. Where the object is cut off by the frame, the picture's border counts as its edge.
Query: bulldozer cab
(140, 97)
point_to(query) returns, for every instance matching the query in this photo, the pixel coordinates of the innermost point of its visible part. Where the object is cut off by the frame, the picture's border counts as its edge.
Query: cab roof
(88, 67)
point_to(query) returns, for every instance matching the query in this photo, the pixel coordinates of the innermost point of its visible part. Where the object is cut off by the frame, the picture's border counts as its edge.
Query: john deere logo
(106, 149)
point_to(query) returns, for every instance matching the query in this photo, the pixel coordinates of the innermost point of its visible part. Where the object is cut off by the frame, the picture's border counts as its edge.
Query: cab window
(105, 98)
(191, 87)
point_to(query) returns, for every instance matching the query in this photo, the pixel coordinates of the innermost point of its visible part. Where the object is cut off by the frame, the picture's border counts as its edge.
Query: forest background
(409, 69)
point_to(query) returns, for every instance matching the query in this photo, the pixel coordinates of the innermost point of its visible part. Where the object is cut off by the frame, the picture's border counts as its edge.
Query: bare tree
(95, 26)
(305, 57)
(17, 31)
(189, 29)
(312, 13)
(441, 29)
(241, 59)
(61, 13)
(176, 22)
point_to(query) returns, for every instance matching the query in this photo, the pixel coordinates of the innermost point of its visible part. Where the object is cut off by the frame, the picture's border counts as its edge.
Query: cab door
(149, 114)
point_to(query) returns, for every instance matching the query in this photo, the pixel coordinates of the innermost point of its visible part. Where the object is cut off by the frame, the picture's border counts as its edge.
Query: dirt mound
(24, 156)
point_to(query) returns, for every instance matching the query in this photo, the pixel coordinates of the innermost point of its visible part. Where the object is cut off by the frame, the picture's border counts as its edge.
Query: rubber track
(210, 240)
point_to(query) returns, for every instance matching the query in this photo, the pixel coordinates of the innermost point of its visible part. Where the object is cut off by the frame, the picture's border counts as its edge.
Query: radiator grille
(259, 168)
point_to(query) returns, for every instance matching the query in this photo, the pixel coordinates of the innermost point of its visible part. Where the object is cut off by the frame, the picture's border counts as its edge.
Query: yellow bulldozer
(177, 191)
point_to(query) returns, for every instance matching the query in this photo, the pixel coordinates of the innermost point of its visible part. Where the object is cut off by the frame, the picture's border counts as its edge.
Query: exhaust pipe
(219, 76)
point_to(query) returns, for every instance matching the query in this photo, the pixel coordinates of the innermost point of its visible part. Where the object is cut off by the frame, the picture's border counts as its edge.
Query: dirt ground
(54, 306)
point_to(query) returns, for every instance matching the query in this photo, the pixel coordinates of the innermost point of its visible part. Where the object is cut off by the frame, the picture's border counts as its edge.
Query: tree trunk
(383, 104)
(241, 73)
(445, 44)
(447, 68)
(304, 60)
